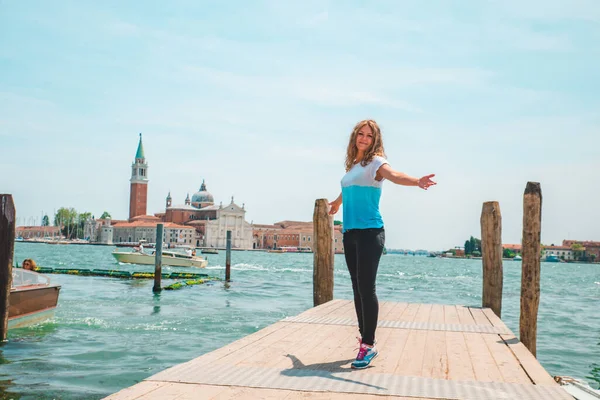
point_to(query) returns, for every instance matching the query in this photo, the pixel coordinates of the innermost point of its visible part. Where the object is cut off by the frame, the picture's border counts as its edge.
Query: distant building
(515, 248)
(198, 222)
(38, 232)
(138, 194)
(562, 252)
(591, 249)
(291, 234)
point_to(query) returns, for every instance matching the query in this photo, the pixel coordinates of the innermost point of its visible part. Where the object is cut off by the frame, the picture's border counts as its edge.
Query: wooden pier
(426, 351)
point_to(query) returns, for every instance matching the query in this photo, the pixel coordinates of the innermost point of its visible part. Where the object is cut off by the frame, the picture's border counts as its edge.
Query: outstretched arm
(335, 205)
(400, 178)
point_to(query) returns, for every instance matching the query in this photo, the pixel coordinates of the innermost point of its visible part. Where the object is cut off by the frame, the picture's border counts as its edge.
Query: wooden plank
(506, 362)
(436, 315)
(460, 366)
(423, 313)
(307, 349)
(391, 348)
(239, 393)
(494, 319)
(182, 391)
(137, 391)
(529, 363)
(397, 312)
(410, 312)
(484, 365)
(451, 315)
(435, 359)
(411, 360)
(479, 316)
(325, 308)
(464, 315)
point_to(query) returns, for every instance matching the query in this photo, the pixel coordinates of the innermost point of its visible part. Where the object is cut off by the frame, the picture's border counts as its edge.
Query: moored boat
(209, 251)
(518, 258)
(32, 298)
(171, 258)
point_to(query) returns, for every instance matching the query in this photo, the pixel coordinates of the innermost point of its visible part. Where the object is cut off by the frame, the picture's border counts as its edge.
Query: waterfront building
(562, 252)
(38, 232)
(591, 249)
(291, 234)
(515, 248)
(197, 222)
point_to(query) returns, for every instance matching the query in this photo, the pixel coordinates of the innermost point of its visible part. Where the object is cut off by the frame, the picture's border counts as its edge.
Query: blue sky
(258, 98)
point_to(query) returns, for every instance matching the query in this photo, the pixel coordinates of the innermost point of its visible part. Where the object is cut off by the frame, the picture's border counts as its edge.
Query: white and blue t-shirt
(360, 196)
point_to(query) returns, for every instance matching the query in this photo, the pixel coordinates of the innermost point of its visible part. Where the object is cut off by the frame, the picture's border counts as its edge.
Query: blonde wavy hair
(376, 148)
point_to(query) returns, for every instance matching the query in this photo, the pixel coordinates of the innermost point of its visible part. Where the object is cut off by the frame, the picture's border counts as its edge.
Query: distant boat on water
(518, 258)
(552, 258)
(209, 251)
(171, 258)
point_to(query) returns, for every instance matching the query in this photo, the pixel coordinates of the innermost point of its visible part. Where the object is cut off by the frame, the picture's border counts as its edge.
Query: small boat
(276, 250)
(172, 258)
(209, 251)
(518, 258)
(32, 298)
(552, 258)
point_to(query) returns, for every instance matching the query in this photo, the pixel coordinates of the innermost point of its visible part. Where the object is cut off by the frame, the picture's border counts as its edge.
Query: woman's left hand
(426, 181)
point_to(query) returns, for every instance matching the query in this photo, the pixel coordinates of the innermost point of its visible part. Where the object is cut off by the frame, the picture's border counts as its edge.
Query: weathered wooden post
(228, 257)
(323, 251)
(491, 255)
(7, 246)
(158, 258)
(530, 265)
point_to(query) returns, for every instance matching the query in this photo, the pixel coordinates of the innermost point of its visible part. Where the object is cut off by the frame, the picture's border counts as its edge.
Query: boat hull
(29, 305)
(148, 259)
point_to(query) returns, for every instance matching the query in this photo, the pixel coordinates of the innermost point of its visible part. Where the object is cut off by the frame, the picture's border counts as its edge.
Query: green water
(108, 334)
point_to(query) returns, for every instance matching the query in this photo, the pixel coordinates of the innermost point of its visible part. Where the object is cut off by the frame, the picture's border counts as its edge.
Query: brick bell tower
(138, 196)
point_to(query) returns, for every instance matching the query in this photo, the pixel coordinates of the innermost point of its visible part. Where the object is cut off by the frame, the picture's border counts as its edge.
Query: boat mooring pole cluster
(491, 248)
(7, 247)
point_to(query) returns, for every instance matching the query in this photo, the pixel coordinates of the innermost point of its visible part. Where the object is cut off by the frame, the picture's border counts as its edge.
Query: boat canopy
(23, 277)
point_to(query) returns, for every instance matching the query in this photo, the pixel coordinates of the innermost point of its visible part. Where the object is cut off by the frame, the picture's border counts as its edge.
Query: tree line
(71, 222)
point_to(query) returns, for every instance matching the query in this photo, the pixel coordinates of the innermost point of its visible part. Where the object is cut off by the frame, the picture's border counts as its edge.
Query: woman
(29, 264)
(364, 235)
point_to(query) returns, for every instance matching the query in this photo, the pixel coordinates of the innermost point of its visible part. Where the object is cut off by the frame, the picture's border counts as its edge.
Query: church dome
(202, 196)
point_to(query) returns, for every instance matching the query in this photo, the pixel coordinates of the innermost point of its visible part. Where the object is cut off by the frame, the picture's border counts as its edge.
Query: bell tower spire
(138, 195)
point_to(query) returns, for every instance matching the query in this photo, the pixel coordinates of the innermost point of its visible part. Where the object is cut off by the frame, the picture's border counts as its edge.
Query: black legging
(363, 249)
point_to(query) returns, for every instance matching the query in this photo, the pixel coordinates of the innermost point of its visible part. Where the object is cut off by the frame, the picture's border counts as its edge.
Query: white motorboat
(172, 258)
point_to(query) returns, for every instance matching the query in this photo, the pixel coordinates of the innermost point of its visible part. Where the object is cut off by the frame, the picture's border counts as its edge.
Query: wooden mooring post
(228, 257)
(7, 246)
(158, 258)
(491, 254)
(323, 250)
(530, 265)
